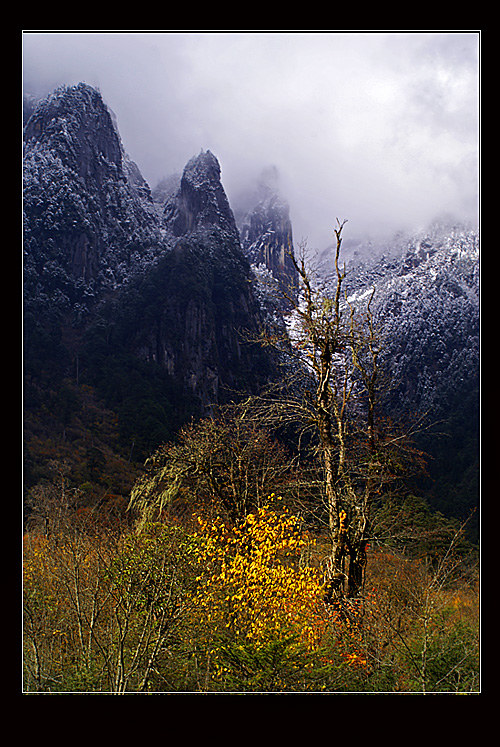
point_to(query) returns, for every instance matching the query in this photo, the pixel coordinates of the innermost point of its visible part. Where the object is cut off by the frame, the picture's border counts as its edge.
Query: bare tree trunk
(340, 347)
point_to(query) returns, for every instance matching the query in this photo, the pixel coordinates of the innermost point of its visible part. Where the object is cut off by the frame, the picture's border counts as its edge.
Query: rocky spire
(200, 202)
(266, 231)
(203, 312)
(76, 122)
(87, 208)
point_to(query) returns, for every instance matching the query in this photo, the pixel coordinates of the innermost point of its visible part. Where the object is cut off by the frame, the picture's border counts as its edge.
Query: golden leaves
(256, 587)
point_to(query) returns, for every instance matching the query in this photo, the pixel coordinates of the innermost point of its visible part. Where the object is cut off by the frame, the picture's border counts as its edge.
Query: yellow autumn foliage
(253, 584)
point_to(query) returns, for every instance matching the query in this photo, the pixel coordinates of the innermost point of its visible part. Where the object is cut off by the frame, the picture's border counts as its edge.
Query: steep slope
(266, 232)
(200, 203)
(87, 210)
(150, 308)
(89, 224)
(194, 312)
(426, 305)
(266, 235)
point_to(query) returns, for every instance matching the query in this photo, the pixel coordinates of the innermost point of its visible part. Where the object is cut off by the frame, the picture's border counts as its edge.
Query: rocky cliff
(199, 321)
(200, 203)
(154, 306)
(266, 232)
(87, 209)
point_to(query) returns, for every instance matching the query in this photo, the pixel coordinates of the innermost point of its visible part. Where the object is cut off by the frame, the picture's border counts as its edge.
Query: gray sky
(380, 128)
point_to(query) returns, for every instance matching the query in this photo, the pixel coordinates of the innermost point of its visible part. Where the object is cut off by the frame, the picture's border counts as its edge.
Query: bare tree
(425, 619)
(335, 395)
(228, 459)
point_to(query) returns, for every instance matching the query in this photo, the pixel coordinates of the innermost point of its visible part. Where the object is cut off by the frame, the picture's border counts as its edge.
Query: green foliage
(452, 485)
(279, 665)
(70, 430)
(409, 523)
(449, 658)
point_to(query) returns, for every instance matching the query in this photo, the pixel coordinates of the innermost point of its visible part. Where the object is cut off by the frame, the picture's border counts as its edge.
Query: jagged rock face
(76, 122)
(171, 290)
(203, 309)
(86, 207)
(200, 202)
(266, 233)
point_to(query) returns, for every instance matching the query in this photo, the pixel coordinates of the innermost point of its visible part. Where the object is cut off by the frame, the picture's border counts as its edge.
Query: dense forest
(236, 477)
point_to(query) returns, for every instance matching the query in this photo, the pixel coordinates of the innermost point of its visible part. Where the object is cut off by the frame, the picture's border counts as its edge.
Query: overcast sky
(379, 128)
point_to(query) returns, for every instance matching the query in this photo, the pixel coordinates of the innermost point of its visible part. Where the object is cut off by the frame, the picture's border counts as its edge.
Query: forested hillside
(242, 472)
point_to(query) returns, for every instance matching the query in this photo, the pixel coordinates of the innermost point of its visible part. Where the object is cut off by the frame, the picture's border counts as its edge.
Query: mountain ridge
(151, 297)
(166, 294)
(426, 306)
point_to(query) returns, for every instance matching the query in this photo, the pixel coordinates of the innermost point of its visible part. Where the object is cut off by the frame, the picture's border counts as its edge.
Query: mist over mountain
(168, 288)
(150, 296)
(380, 128)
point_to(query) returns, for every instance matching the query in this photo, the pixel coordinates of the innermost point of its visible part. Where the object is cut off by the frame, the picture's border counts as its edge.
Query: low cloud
(377, 128)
